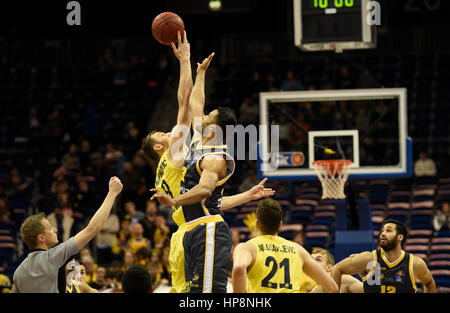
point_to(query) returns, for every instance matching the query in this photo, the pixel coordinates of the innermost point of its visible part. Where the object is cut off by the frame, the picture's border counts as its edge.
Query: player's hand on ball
(204, 65)
(162, 197)
(258, 191)
(183, 51)
(115, 185)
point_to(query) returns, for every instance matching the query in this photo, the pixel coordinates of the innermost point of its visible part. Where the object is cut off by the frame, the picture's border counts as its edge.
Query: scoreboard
(333, 25)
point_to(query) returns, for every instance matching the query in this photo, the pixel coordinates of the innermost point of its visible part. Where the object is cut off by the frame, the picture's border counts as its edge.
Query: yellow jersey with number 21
(277, 268)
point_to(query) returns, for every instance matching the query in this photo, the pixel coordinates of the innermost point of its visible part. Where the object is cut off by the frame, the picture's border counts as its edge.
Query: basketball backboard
(366, 126)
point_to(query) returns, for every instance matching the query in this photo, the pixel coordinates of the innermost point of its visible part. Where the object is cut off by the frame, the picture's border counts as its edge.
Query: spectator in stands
(137, 280)
(137, 239)
(149, 220)
(345, 80)
(123, 236)
(291, 82)
(62, 222)
(161, 235)
(116, 268)
(366, 80)
(5, 212)
(344, 116)
(71, 161)
(84, 200)
(256, 83)
(441, 220)
(131, 179)
(128, 260)
(143, 256)
(363, 118)
(90, 266)
(112, 282)
(86, 251)
(424, 166)
(249, 182)
(87, 158)
(99, 280)
(154, 269)
(271, 84)
(113, 160)
(54, 130)
(59, 185)
(249, 111)
(133, 214)
(106, 238)
(17, 185)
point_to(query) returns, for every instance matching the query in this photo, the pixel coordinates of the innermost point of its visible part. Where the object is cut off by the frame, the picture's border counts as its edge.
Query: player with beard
(389, 269)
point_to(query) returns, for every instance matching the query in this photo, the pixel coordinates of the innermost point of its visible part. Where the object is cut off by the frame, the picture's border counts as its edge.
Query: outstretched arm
(355, 264)
(99, 218)
(257, 192)
(197, 99)
(181, 130)
(211, 169)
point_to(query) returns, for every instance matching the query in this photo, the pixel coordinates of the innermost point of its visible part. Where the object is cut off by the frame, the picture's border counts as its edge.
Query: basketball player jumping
(271, 264)
(166, 150)
(389, 269)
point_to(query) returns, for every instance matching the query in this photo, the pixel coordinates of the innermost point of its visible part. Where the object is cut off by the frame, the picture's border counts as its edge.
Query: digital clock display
(331, 20)
(331, 4)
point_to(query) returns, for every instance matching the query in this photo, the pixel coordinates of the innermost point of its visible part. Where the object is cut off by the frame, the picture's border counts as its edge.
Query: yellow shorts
(176, 259)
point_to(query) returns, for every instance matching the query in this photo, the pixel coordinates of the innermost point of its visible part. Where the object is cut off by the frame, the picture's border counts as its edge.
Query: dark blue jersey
(212, 204)
(387, 277)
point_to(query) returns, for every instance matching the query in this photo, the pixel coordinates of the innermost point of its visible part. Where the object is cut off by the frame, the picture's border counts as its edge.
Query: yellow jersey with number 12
(168, 180)
(278, 267)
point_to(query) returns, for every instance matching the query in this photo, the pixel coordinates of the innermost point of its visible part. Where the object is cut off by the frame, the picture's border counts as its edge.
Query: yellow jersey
(278, 267)
(307, 284)
(168, 180)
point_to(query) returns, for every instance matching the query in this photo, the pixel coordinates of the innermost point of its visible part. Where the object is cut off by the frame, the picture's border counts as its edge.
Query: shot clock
(333, 25)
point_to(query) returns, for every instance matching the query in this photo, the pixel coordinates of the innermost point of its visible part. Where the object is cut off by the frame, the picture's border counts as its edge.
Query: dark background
(47, 19)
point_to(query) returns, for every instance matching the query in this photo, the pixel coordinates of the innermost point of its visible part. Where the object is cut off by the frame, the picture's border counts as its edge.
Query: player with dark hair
(389, 269)
(38, 273)
(136, 279)
(208, 167)
(206, 244)
(271, 264)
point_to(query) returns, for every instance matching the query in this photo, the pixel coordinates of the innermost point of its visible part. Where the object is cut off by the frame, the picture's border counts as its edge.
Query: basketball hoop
(332, 175)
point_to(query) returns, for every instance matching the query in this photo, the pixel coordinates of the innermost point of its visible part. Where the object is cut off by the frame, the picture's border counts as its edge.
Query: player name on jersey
(276, 248)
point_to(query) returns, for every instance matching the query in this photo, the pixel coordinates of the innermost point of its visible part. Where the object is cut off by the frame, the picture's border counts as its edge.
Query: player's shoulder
(418, 262)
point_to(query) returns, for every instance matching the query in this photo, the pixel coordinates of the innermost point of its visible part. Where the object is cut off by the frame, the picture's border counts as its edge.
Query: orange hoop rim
(326, 163)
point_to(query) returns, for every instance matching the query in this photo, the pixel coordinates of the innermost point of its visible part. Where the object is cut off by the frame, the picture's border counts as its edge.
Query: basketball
(165, 27)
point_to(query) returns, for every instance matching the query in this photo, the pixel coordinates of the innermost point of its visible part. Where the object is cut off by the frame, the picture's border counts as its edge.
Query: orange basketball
(165, 27)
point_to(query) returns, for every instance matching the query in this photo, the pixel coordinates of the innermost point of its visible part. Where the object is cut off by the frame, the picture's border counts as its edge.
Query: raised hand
(162, 197)
(183, 51)
(258, 191)
(115, 185)
(202, 67)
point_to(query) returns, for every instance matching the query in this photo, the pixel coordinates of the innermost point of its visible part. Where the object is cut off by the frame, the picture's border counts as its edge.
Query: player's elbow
(92, 230)
(206, 191)
(239, 270)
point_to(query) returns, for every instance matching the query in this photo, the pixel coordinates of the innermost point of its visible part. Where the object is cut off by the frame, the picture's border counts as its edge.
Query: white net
(332, 175)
